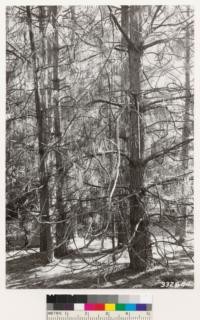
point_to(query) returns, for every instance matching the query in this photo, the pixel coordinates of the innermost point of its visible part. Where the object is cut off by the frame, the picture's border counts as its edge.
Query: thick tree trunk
(139, 249)
(45, 233)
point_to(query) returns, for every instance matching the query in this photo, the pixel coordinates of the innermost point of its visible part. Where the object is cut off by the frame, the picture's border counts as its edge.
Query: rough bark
(139, 249)
(45, 234)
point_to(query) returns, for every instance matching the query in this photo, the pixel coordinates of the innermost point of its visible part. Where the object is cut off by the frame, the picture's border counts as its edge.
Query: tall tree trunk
(61, 236)
(45, 232)
(124, 128)
(182, 212)
(139, 248)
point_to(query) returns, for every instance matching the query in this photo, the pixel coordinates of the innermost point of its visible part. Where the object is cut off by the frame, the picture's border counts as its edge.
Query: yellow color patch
(109, 307)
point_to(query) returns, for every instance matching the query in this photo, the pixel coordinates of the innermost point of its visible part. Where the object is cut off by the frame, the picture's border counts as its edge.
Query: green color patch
(120, 307)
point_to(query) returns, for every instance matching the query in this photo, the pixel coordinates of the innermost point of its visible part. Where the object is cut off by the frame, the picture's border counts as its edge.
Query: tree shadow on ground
(25, 263)
(72, 272)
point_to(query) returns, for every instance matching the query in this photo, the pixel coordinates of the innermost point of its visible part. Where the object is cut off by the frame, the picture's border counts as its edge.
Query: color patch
(79, 307)
(68, 306)
(109, 307)
(120, 307)
(99, 307)
(141, 307)
(130, 307)
(89, 307)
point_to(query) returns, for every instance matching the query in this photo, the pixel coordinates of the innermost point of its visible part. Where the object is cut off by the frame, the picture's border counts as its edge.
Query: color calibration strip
(99, 307)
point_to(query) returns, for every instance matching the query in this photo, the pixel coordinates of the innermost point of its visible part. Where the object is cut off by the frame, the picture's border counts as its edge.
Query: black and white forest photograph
(99, 146)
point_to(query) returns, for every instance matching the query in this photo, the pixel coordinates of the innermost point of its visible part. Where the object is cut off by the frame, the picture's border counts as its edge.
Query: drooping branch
(166, 151)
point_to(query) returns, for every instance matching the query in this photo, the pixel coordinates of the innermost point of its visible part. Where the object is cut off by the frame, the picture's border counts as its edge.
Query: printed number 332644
(173, 284)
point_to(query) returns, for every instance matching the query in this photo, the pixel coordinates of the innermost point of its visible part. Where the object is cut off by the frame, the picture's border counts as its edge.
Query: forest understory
(93, 267)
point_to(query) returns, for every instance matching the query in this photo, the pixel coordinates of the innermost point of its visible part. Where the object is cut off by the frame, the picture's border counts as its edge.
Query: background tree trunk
(61, 235)
(182, 212)
(124, 129)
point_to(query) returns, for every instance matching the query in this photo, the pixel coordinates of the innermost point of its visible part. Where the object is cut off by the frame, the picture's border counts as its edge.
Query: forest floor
(91, 267)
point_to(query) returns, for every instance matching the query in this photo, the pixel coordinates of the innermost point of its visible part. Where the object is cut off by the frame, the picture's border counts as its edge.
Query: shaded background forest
(99, 153)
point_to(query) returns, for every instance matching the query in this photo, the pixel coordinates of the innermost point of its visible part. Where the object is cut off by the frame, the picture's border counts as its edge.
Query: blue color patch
(130, 307)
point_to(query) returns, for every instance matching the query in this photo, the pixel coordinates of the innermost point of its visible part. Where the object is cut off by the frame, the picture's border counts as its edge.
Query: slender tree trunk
(139, 249)
(182, 214)
(45, 234)
(124, 128)
(61, 236)
(112, 210)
